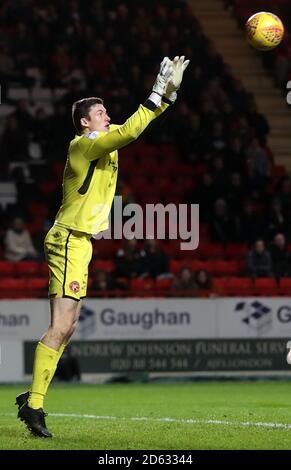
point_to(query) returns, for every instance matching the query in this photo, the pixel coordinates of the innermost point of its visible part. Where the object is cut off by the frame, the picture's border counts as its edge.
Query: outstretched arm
(106, 142)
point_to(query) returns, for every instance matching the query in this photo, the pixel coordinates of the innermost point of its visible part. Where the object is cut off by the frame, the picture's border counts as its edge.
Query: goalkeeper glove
(179, 67)
(163, 77)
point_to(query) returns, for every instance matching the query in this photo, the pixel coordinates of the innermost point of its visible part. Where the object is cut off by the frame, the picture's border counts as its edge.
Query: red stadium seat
(27, 268)
(14, 284)
(207, 265)
(236, 251)
(105, 265)
(7, 268)
(58, 170)
(223, 267)
(239, 285)
(104, 249)
(37, 283)
(285, 286)
(49, 187)
(204, 232)
(164, 284)
(44, 270)
(286, 283)
(22, 286)
(172, 249)
(210, 250)
(220, 285)
(141, 284)
(176, 265)
(38, 208)
(266, 286)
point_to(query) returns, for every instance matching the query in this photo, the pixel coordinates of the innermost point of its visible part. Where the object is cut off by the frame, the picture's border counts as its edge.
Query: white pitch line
(168, 420)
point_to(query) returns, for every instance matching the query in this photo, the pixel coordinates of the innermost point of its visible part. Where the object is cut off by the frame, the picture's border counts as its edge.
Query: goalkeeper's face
(98, 119)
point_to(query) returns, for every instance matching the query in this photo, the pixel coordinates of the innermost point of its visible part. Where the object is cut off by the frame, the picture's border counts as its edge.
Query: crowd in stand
(112, 48)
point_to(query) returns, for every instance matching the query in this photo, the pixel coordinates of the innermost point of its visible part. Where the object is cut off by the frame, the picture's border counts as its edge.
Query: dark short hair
(81, 109)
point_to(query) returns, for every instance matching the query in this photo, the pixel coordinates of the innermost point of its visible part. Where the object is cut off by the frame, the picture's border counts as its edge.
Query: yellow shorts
(68, 253)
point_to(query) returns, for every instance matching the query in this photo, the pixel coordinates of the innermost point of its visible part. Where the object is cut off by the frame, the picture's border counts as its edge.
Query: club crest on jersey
(74, 286)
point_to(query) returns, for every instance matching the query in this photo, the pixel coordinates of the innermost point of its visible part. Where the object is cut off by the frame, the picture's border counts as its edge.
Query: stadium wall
(155, 335)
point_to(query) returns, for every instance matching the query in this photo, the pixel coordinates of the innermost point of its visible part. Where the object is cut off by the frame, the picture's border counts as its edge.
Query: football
(264, 31)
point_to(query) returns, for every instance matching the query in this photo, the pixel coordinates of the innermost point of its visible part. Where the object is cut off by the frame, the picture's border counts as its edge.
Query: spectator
(185, 280)
(258, 122)
(18, 243)
(129, 261)
(103, 281)
(250, 224)
(202, 279)
(14, 141)
(206, 194)
(155, 260)
(124, 190)
(235, 155)
(222, 224)
(219, 175)
(259, 157)
(254, 182)
(259, 261)
(280, 257)
(276, 220)
(235, 192)
(284, 194)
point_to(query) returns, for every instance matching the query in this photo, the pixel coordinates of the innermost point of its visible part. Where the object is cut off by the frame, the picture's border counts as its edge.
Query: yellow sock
(45, 363)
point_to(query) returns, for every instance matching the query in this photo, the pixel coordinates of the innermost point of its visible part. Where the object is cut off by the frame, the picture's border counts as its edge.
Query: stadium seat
(285, 286)
(177, 265)
(7, 268)
(43, 269)
(38, 208)
(220, 285)
(48, 187)
(210, 250)
(105, 265)
(164, 283)
(285, 282)
(104, 249)
(236, 251)
(141, 284)
(37, 283)
(27, 268)
(265, 286)
(207, 265)
(239, 286)
(14, 285)
(172, 249)
(223, 267)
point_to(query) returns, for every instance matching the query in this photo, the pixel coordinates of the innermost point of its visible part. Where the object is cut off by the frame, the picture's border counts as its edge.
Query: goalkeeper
(88, 189)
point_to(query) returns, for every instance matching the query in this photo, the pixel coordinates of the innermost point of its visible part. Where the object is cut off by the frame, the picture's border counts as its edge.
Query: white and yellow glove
(179, 66)
(162, 80)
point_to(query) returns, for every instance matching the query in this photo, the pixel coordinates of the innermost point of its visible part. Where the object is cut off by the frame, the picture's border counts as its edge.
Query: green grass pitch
(157, 416)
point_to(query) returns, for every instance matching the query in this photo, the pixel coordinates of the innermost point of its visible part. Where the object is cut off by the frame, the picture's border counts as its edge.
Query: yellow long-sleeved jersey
(90, 175)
